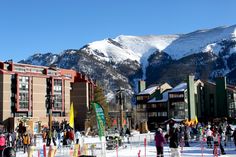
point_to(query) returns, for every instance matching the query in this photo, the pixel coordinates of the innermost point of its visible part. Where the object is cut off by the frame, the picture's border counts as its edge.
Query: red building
(24, 90)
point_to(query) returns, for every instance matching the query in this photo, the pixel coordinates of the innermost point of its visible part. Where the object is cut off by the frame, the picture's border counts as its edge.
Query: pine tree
(99, 98)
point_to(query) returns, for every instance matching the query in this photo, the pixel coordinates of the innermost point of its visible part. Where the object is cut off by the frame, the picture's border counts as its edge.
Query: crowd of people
(22, 141)
(216, 135)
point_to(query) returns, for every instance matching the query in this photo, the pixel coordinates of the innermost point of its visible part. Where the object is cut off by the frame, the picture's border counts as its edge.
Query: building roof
(164, 98)
(148, 91)
(179, 88)
(228, 86)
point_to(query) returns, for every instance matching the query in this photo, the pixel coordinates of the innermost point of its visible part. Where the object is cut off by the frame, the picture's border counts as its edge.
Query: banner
(71, 122)
(100, 119)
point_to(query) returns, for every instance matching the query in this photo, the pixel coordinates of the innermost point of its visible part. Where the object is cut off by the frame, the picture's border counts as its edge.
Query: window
(56, 114)
(58, 94)
(232, 109)
(24, 92)
(19, 69)
(142, 97)
(21, 115)
(179, 105)
(162, 114)
(176, 95)
(152, 114)
(153, 105)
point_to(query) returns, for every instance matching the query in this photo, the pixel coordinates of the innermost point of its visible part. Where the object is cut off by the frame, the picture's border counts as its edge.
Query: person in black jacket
(174, 143)
(234, 136)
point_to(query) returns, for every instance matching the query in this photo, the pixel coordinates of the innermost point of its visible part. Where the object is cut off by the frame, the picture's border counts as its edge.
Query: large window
(58, 94)
(179, 110)
(24, 100)
(24, 92)
(232, 109)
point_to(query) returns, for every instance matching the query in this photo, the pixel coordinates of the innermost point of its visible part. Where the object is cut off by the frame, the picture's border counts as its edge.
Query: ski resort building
(190, 100)
(27, 91)
(149, 111)
(220, 99)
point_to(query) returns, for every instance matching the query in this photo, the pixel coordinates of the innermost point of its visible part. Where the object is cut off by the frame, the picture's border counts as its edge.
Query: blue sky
(32, 26)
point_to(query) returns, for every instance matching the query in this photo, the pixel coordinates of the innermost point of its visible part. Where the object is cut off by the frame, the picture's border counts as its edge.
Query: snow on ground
(136, 145)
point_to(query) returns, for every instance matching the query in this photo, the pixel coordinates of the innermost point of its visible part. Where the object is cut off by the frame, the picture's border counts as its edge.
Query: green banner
(101, 122)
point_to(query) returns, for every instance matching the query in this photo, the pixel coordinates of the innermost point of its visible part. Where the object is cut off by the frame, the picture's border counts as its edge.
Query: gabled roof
(164, 98)
(148, 91)
(179, 88)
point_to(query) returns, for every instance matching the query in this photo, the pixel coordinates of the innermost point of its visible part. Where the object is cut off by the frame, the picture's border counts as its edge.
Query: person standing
(54, 137)
(26, 141)
(2, 143)
(217, 142)
(186, 136)
(220, 130)
(209, 137)
(174, 143)
(44, 135)
(10, 141)
(160, 140)
(77, 136)
(234, 137)
(228, 134)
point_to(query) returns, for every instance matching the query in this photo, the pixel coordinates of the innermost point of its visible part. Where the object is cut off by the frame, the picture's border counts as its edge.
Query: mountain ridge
(125, 59)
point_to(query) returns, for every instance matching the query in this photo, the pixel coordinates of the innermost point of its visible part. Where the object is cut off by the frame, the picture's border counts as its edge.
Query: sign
(100, 119)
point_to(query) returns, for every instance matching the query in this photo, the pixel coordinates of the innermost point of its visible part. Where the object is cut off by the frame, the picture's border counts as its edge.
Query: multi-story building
(158, 104)
(188, 100)
(27, 90)
(146, 110)
(178, 102)
(220, 99)
(157, 110)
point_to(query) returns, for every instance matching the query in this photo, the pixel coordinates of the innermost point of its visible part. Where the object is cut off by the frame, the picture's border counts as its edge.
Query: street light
(120, 98)
(50, 102)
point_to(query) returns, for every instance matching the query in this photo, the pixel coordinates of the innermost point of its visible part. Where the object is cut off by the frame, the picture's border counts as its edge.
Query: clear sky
(32, 26)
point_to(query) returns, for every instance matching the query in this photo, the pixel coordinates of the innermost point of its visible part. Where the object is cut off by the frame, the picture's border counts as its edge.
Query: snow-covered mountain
(139, 48)
(120, 61)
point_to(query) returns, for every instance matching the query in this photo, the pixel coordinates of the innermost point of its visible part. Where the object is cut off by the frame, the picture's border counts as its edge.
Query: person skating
(228, 134)
(234, 137)
(186, 136)
(217, 143)
(220, 130)
(174, 143)
(209, 137)
(159, 140)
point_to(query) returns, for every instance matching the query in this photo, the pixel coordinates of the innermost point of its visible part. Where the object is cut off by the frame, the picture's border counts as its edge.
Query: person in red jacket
(160, 140)
(2, 143)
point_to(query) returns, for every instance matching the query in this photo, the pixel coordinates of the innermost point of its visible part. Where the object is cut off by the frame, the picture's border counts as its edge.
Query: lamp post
(50, 102)
(120, 97)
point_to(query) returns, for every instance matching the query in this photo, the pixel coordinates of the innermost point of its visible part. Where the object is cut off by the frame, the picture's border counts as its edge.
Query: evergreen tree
(99, 98)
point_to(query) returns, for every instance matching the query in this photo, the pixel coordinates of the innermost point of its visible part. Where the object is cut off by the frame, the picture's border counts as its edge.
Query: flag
(101, 122)
(196, 120)
(71, 122)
